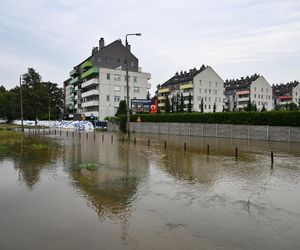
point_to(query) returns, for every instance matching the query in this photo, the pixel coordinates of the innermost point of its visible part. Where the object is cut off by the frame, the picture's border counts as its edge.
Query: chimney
(94, 51)
(101, 43)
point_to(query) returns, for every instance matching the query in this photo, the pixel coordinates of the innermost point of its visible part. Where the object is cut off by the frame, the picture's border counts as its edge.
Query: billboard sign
(140, 106)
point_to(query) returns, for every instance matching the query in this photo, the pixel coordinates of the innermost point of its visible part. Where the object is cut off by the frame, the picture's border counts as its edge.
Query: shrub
(273, 118)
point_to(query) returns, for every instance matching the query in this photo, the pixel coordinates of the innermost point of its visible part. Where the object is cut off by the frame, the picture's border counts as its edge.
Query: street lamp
(21, 103)
(127, 81)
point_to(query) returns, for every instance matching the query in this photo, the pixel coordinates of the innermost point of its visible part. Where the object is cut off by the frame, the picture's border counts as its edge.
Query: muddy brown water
(149, 197)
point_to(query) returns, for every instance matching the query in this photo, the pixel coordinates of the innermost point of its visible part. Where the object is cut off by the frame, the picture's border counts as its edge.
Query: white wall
(261, 94)
(296, 94)
(209, 86)
(113, 90)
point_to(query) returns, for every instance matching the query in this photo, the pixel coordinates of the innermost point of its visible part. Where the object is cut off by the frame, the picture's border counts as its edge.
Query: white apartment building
(203, 84)
(255, 89)
(100, 96)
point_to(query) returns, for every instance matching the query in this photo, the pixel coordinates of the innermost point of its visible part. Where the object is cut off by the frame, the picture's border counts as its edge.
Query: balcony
(186, 94)
(163, 90)
(243, 99)
(75, 80)
(90, 93)
(91, 72)
(74, 72)
(87, 65)
(162, 98)
(90, 104)
(186, 86)
(88, 83)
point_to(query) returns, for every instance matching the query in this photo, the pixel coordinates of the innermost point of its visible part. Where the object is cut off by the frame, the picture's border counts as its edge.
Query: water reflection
(150, 197)
(30, 158)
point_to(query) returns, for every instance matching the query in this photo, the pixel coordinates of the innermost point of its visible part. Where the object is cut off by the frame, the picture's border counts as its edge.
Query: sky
(235, 37)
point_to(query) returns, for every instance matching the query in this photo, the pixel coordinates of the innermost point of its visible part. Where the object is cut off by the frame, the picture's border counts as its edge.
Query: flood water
(148, 196)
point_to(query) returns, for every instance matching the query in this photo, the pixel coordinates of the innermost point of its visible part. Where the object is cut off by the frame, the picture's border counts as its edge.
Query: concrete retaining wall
(251, 132)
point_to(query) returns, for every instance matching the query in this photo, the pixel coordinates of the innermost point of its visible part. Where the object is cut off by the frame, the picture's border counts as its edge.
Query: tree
(172, 104)
(263, 109)
(215, 107)
(56, 96)
(292, 106)
(177, 102)
(190, 103)
(36, 98)
(181, 103)
(167, 105)
(122, 109)
(202, 106)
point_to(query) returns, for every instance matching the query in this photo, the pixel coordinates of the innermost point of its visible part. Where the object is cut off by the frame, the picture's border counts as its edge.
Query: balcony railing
(186, 86)
(90, 93)
(74, 72)
(90, 72)
(90, 82)
(75, 80)
(90, 104)
(86, 65)
(164, 90)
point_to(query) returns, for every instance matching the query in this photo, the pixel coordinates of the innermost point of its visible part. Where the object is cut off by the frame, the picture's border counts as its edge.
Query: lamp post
(127, 81)
(21, 103)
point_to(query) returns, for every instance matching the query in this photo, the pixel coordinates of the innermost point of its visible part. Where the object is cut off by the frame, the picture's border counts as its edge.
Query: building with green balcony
(98, 82)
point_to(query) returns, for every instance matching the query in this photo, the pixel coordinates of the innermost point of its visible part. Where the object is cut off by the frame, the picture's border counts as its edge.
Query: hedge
(272, 118)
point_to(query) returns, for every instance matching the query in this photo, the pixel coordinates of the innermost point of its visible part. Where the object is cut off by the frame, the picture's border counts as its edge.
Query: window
(209, 99)
(107, 98)
(215, 92)
(200, 82)
(132, 64)
(258, 102)
(117, 88)
(99, 59)
(136, 90)
(117, 77)
(262, 96)
(134, 79)
(108, 76)
(254, 95)
(216, 99)
(267, 90)
(106, 59)
(208, 106)
(219, 99)
(209, 91)
(216, 84)
(258, 96)
(200, 91)
(198, 98)
(254, 88)
(205, 98)
(205, 91)
(262, 89)
(119, 61)
(209, 83)
(205, 106)
(117, 98)
(128, 79)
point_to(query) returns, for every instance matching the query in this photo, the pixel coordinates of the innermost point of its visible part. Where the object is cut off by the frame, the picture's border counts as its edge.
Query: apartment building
(198, 85)
(255, 89)
(98, 84)
(284, 94)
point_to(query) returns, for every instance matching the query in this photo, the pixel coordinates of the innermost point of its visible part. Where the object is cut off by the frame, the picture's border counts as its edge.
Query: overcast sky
(236, 37)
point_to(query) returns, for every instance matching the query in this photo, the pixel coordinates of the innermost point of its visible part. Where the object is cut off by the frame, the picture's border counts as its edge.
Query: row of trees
(39, 99)
(176, 104)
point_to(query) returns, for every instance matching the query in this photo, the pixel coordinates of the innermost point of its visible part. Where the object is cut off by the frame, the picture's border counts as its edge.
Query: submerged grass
(10, 137)
(89, 166)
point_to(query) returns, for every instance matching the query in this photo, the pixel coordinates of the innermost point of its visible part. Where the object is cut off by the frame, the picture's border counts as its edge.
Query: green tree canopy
(122, 109)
